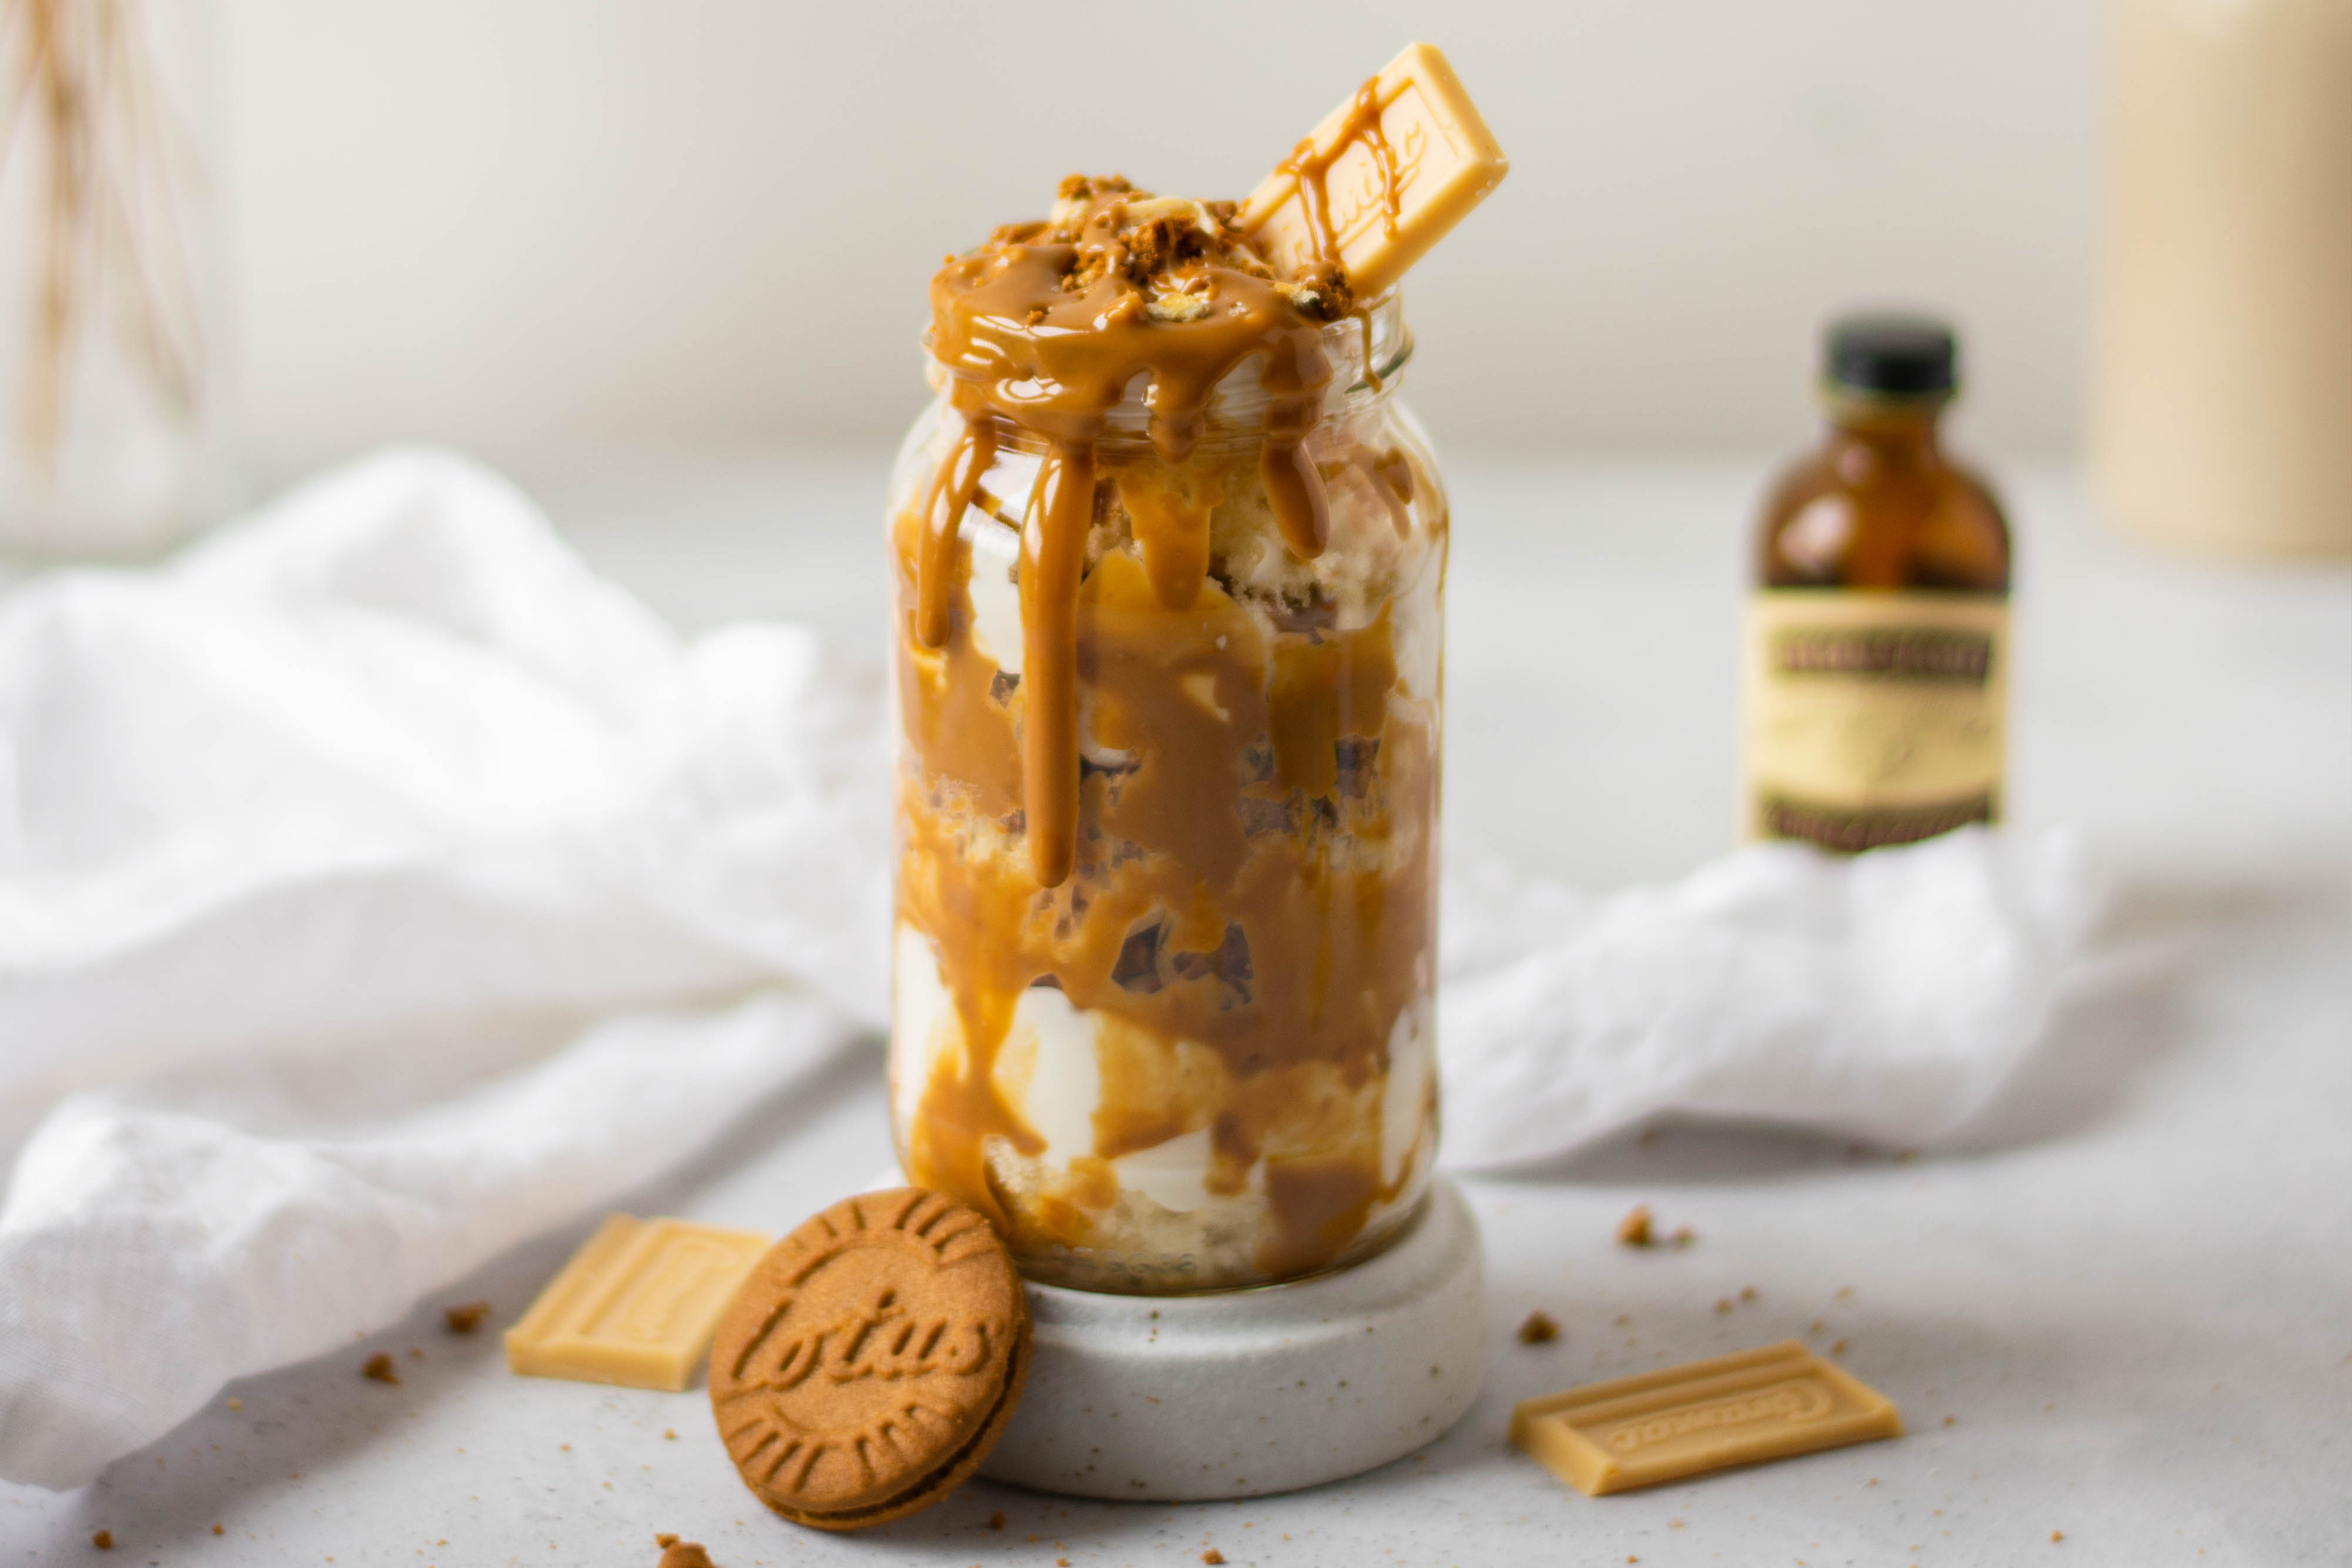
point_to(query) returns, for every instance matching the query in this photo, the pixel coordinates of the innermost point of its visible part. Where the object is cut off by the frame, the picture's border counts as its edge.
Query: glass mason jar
(1202, 1057)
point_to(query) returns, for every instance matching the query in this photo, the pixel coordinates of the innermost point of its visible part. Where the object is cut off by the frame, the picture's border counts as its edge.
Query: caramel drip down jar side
(1166, 680)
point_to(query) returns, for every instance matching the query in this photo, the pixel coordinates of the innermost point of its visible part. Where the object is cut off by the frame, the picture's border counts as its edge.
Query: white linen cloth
(378, 889)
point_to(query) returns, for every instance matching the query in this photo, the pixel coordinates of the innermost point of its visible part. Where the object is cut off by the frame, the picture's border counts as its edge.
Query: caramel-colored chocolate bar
(1766, 1404)
(1383, 177)
(636, 1304)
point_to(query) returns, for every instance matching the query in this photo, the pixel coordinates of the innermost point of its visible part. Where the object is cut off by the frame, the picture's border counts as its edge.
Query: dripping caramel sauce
(1243, 896)
(1021, 346)
(1309, 168)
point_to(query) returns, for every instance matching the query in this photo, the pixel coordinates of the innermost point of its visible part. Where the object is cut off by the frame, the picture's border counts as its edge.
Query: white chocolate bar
(1445, 163)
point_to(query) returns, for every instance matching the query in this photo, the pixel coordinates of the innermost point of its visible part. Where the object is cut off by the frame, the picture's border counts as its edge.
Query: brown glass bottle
(1877, 647)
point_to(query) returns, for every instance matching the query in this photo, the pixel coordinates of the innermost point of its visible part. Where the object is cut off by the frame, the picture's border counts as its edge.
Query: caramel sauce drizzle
(1247, 904)
(1046, 336)
(1254, 911)
(951, 491)
(1311, 167)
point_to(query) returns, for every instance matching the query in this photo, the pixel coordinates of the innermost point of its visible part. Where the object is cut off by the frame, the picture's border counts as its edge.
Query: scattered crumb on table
(1839, 1347)
(2057, 1535)
(103, 1541)
(996, 1520)
(1633, 1230)
(379, 1368)
(1538, 1329)
(1212, 1556)
(465, 1319)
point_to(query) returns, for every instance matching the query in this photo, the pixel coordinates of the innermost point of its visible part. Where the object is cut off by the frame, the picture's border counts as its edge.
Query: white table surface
(2133, 1325)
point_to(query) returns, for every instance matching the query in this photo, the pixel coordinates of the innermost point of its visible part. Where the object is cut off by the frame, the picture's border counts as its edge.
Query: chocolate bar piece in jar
(1168, 565)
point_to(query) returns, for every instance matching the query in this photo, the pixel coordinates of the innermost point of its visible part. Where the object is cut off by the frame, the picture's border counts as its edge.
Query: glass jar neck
(1367, 351)
(1887, 423)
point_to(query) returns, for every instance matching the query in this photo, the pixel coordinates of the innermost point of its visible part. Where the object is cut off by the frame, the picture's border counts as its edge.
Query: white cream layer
(1049, 1072)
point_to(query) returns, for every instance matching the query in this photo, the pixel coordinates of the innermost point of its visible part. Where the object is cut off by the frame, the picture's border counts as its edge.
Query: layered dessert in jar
(1168, 561)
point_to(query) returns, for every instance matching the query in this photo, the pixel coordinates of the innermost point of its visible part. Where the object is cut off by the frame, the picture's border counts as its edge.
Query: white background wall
(533, 226)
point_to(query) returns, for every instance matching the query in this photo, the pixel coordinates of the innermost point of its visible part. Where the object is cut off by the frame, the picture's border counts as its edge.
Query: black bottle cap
(1891, 355)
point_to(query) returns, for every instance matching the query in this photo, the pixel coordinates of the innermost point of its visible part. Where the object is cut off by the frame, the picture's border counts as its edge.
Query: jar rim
(1368, 348)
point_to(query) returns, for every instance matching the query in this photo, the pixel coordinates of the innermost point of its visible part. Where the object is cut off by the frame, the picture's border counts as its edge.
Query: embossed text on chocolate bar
(635, 1305)
(1382, 178)
(1739, 1409)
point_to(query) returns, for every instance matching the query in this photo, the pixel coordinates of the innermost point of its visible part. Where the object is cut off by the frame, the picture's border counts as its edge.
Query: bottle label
(1873, 717)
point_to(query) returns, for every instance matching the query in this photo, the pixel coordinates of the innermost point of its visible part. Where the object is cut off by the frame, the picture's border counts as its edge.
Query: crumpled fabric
(379, 889)
(1886, 996)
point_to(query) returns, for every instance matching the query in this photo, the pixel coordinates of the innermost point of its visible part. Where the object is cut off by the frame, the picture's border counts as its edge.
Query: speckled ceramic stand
(1249, 1391)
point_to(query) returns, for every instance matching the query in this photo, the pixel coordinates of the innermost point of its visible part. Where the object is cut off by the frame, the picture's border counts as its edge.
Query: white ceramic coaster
(1166, 1398)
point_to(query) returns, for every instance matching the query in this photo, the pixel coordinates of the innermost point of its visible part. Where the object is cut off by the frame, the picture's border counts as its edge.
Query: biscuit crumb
(1684, 1236)
(1538, 1329)
(235, 1402)
(218, 1531)
(103, 1541)
(1212, 1557)
(464, 1320)
(683, 1554)
(664, 1541)
(1723, 1304)
(1949, 1419)
(1633, 1230)
(670, 1433)
(1747, 1292)
(2057, 1535)
(996, 1520)
(379, 1368)
(1839, 1347)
